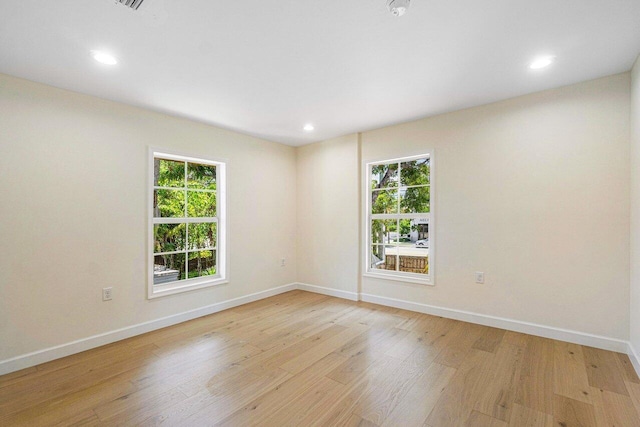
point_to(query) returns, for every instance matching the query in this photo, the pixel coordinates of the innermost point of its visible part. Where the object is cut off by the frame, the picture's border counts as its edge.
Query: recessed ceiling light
(104, 58)
(308, 127)
(541, 62)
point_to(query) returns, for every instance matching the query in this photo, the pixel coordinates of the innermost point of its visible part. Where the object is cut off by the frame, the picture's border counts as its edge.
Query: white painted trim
(42, 356)
(560, 334)
(46, 355)
(352, 296)
(367, 217)
(222, 263)
(385, 275)
(634, 357)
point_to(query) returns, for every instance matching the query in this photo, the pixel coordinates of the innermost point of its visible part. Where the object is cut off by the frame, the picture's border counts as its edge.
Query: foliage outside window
(187, 226)
(399, 220)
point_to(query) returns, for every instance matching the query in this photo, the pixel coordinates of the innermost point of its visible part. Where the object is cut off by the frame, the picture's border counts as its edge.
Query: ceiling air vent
(133, 4)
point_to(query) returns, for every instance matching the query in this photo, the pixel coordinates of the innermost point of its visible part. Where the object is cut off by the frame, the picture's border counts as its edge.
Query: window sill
(178, 287)
(428, 281)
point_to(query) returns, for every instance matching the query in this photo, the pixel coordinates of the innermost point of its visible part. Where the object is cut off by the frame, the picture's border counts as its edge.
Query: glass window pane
(384, 231)
(414, 259)
(169, 237)
(202, 263)
(168, 173)
(419, 230)
(201, 204)
(201, 176)
(384, 257)
(168, 203)
(203, 236)
(384, 176)
(415, 200)
(168, 268)
(384, 201)
(405, 230)
(415, 172)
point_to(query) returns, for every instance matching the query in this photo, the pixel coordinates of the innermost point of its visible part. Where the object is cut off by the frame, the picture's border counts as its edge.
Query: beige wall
(533, 191)
(635, 206)
(73, 209)
(328, 252)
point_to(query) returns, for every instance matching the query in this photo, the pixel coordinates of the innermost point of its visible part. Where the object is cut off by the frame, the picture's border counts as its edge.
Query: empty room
(320, 213)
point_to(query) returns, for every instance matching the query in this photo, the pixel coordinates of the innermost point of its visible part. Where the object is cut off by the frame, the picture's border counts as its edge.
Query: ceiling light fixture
(103, 57)
(398, 7)
(308, 127)
(541, 62)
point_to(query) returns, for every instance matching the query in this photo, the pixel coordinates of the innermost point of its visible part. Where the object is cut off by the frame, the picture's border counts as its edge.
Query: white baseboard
(48, 354)
(42, 356)
(353, 296)
(635, 358)
(575, 337)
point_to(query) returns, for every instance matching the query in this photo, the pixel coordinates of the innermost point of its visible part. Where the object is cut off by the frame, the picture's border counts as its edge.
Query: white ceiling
(267, 67)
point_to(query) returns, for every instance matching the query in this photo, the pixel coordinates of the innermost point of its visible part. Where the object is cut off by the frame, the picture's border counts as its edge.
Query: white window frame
(221, 276)
(401, 276)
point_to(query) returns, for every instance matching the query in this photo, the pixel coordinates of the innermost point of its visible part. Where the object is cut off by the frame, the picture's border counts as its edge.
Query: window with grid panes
(399, 219)
(187, 224)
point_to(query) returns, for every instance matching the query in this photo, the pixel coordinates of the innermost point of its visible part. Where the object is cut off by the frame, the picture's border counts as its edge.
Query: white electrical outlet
(107, 294)
(479, 277)
(282, 262)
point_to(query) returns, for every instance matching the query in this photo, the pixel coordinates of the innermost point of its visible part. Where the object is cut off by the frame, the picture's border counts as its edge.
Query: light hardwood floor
(310, 360)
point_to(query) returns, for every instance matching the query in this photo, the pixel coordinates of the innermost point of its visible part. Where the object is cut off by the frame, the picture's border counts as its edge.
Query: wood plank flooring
(302, 359)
